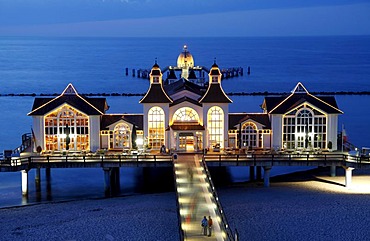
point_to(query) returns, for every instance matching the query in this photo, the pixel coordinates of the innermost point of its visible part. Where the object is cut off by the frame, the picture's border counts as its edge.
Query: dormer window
(155, 79)
(214, 79)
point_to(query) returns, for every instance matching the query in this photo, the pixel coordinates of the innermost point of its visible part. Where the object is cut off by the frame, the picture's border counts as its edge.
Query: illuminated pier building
(184, 116)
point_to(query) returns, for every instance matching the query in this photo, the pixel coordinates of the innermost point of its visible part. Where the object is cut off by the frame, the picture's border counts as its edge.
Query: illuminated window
(304, 128)
(156, 79)
(121, 136)
(214, 79)
(186, 114)
(56, 129)
(216, 126)
(249, 135)
(156, 127)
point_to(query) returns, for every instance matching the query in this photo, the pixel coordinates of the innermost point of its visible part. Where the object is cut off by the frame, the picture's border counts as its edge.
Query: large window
(249, 135)
(186, 114)
(121, 136)
(156, 127)
(304, 128)
(66, 121)
(216, 126)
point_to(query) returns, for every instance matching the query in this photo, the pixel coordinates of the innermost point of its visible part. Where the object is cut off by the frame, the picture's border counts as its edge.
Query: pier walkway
(197, 198)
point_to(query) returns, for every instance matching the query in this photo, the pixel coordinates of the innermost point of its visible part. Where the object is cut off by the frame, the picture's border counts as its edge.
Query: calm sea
(97, 65)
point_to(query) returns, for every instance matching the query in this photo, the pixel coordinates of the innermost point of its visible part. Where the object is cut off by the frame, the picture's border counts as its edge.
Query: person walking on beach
(204, 225)
(210, 223)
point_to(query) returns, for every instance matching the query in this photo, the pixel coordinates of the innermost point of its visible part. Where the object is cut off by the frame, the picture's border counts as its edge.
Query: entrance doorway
(186, 141)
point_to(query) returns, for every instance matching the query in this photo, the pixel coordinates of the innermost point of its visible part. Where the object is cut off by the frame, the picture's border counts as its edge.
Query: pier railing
(118, 160)
(78, 160)
(178, 205)
(255, 159)
(225, 225)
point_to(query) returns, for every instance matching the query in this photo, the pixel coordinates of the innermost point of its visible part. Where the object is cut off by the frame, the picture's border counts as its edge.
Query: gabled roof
(215, 94)
(135, 119)
(237, 118)
(89, 106)
(300, 95)
(183, 99)
(183, 84)
(156, 94)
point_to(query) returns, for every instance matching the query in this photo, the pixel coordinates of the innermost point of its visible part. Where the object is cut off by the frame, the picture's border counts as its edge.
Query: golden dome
(185, 59)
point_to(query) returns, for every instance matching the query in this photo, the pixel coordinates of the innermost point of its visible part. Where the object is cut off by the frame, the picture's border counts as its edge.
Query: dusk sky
(176, 18)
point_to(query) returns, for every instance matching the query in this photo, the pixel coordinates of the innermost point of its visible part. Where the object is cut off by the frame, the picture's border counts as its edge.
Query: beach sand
(303, 206)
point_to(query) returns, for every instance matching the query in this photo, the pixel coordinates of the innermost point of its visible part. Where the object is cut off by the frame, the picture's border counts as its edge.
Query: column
(333, 171)
(24, 174)
(48, 183)
(266, 176)
(259, 172)
(107, 182)
(115, 180)
(252, 173)
(37, 180)
(348, 176)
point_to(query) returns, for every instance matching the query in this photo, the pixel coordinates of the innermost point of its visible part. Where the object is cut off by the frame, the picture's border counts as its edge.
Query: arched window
(249, 135)
(56, 124)
(156, 127)
(121, 136)
(186, 114)
(304, 128)
(216, 126)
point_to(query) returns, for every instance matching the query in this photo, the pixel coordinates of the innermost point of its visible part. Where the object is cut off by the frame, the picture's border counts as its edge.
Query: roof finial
(215, 60)
(155, 60)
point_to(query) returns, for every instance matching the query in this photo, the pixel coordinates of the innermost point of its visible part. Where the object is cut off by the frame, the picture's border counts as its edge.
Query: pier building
(182, 115)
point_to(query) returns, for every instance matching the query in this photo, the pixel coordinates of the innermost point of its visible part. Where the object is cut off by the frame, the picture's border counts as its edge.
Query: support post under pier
(259, 172)
(348, 176)
(252, 173)
(115, 180)
(266, 176)
(111, 181)
(333, 171)
(48, 183)
(37, 179)
(107, 187)
(24, 174)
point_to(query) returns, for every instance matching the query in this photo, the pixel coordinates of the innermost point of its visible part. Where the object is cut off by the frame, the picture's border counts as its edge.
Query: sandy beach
(303, 206)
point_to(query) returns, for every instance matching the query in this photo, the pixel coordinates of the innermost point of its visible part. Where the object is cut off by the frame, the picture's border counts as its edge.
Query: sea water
(97, 65)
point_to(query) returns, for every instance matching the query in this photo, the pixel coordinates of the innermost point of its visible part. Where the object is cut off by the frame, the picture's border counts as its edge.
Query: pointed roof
(300, 95)
(215, 94)
(172, 74)
(89, 106)
(156, 94)
(192, 75)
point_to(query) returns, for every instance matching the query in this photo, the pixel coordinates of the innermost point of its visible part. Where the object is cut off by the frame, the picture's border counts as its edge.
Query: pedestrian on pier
(204, 225)
(190, 173)
(210, 223)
